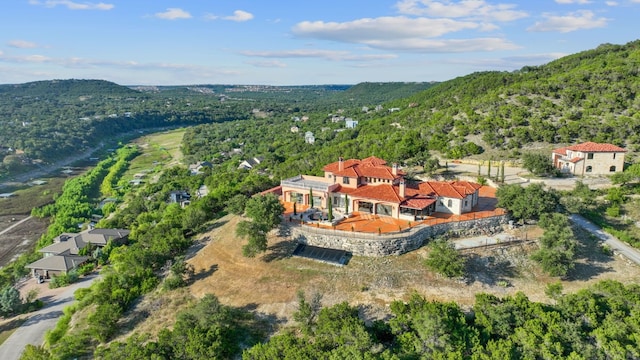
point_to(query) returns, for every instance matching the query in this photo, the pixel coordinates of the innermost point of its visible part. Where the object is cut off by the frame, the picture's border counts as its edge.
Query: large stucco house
(589, 158)
(370, 186)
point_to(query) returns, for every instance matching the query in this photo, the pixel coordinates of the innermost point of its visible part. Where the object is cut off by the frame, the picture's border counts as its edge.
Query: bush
(86, 269)
(445, 259)
(64, 279)
(613, 211)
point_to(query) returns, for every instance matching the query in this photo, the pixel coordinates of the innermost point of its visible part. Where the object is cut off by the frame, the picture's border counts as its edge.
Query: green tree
(444, 259)
(265, 210)
(329, 209)
(346, 203)
(527, 203)
(307, 312)
(557, 245)
(236, 204)
(537, 164)
(10, 302)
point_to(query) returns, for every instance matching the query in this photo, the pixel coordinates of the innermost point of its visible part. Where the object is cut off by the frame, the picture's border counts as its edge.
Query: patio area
(370, 223)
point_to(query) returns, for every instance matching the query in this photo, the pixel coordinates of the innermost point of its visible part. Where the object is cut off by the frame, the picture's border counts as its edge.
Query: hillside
(45, 121)
(589, 96)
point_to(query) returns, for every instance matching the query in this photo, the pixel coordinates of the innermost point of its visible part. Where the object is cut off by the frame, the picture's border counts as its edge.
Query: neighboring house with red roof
(589, 158)
(369, 185)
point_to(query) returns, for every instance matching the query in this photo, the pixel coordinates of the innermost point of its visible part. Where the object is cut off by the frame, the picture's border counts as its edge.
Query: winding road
(618, 246)
(32, 331)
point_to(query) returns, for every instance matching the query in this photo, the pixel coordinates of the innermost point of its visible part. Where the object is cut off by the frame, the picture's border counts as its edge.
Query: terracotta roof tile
(382, 192)
(418, 203)
(591, 147)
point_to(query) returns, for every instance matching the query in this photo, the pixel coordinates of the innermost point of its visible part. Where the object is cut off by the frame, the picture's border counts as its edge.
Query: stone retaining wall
(368, 244)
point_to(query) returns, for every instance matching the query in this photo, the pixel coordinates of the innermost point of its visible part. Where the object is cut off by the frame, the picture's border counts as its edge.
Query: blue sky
(180, 42)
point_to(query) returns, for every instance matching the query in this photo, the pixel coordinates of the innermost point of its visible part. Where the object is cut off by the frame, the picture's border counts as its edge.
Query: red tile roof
(369, 167)
(382, 192)
(417, 195)
(590, 147)
(418, 203)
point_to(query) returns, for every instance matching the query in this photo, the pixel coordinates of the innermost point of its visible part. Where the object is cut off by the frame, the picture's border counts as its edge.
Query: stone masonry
(368, 244)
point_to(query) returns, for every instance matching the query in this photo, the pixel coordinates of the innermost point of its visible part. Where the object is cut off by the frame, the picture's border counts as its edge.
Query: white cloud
(611, 3)
(573, 1)
(403, 33)
(333, 55)
(71, 5)
(446, 45)
(22, 44)
(387, 28)
(579, 20)
(267, 64)
(469, 9)
(173, 14)
(238, 15)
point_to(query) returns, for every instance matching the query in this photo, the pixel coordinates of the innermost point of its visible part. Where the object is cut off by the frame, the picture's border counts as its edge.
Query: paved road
(615, 244)
(513, 175)
(33, 330)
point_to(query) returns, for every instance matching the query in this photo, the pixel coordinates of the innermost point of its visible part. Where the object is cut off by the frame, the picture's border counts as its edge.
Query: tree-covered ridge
(589, 96)
(47, 120)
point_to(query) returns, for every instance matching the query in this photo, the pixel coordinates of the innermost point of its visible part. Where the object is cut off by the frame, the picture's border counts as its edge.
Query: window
(590, 156)
(589, 168)
(614, 155)
(466, 203)
(612, 169)
(449, 203)
(345, 180)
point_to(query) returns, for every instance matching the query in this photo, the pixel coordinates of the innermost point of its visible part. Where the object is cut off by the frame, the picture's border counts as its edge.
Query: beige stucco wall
(602, 162)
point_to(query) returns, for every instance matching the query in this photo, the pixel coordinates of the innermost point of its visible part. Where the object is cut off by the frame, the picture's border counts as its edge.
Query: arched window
(449, 203)
(612, 169)
(589, 168)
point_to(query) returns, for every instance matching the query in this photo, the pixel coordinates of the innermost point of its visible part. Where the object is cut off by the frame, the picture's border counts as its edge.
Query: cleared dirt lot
(269, 283)
(20, 238)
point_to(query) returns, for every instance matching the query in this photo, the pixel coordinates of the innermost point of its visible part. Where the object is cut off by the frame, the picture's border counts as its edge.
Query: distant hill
(382, 92)
(52, 119)
(65, 88)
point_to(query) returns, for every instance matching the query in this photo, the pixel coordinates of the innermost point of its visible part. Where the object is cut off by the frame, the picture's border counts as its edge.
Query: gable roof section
(70, 243)
(58, 262)
(384, 192)
(369, 167)
(590, 147)
(102, 236)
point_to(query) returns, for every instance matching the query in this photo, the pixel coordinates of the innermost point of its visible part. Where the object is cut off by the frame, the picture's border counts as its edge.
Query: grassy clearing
(28, 198)
(158, 150)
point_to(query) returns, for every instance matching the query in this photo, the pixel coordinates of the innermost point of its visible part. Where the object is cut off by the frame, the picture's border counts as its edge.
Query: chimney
(340, 164)
(402, 188)
(394, 169)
